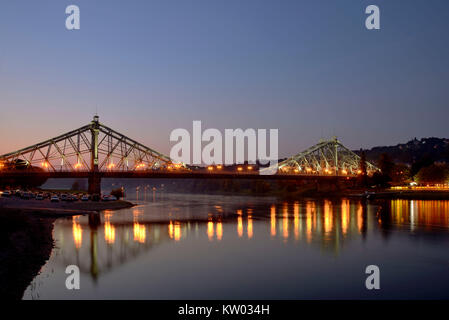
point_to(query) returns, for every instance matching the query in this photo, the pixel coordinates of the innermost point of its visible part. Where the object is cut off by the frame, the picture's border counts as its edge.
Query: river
(185, 246)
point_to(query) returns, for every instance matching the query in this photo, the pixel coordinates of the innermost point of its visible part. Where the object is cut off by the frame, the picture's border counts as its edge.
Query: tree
(75, 186)
(386, 166)
(400, 174)
(118, 193)
(363, 174)
(435, 173)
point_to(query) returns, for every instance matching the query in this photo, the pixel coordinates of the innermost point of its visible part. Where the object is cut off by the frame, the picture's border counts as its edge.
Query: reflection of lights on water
(177, 231)
(412, 215)
(219, 231)
(109, 230)
(327, 216)
(250, 227)
(424, 213)
(210, 230)
(139, 232)
(77, 232)
(273, 220)
(309, 210)
(239, 223)
(285, 221)
(360, 217)
(170, 230)
(296, 219)
(344, 216)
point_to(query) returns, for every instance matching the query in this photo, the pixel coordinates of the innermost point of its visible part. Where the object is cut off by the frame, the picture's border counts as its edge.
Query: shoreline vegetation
(26, 237)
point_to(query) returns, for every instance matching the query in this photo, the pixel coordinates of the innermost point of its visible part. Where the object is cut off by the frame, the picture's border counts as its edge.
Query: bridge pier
(94, 183)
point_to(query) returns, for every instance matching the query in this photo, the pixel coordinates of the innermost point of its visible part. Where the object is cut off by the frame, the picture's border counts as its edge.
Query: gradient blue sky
(308, 68)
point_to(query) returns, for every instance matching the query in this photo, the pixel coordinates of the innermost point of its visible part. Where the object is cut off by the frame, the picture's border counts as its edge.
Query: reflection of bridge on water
(98, 247)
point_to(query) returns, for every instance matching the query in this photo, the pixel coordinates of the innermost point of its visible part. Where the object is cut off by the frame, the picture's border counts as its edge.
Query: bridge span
(95, 151)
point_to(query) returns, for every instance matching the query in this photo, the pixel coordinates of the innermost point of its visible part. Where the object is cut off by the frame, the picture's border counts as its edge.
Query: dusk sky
(308, 68)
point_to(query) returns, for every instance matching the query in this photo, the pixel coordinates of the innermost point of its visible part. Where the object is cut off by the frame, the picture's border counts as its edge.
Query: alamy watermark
(72, 282)
(373, 280)
(189, 148)
(72, 22)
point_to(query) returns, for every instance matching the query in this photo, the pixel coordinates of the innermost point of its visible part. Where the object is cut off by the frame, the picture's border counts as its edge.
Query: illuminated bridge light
(210, 168)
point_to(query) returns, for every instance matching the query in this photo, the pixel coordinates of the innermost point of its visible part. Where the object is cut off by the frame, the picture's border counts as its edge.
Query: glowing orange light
(210, 230)
(285, 221)
(78, 165)
(139, 232)
(327, 216)
(170, 230)
(44, 164)
(345, 215)
(177, 231)
(250, 168)
(219, 231)
(219, 167)
(296, 219)
(239, 169)
(344, 171)
(210, 168)
(110, 166)
(109, 230)
(273, 220)
(250, 227)
(309, 211)
(77, 232)
(240, 226)
(140, 166)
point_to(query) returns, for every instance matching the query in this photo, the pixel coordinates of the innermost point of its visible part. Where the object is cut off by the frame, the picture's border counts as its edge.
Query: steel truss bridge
(96, 151)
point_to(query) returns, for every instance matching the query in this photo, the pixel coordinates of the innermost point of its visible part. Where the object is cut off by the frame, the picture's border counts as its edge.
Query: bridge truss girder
(326, 157)
(75, 150)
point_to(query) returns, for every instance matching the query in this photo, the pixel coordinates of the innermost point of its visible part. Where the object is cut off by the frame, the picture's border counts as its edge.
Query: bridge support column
(94, 180)
(94, 183)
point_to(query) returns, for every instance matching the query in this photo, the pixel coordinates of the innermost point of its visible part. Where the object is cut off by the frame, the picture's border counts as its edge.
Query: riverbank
(26, 239)
(62, 208)
(406, 195)
(26, 243)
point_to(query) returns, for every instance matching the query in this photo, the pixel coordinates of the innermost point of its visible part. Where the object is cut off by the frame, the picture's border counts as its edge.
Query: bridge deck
(170, 175)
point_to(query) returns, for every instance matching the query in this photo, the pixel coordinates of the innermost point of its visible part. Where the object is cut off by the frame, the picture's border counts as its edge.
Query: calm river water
(179, 246)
